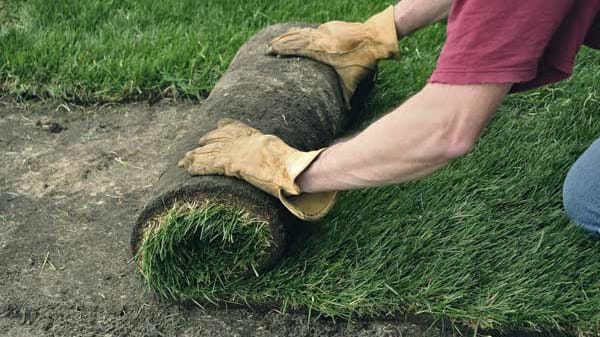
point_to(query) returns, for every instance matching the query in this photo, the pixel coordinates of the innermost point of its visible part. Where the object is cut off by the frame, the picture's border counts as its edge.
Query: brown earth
(72, 181)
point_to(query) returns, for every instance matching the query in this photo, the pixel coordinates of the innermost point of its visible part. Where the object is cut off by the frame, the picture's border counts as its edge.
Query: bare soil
(72, 181)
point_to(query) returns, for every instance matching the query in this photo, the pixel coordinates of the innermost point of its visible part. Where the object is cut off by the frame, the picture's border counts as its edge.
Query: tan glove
(265, 161)
(353, 49)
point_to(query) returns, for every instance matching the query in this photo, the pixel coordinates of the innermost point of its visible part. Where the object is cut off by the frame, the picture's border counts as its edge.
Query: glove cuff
(295, 164)
(384, 28)
(309, 206)
(306, 206)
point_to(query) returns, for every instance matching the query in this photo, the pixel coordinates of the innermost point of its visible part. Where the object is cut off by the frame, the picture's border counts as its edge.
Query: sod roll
(199, 232)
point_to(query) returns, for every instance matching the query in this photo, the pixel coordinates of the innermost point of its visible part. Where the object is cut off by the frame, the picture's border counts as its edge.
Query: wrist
(312, 178)
(402, 22)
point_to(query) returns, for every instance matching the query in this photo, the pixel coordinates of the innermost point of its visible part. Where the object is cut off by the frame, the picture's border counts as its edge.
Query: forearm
(411, 15)
(433, 127)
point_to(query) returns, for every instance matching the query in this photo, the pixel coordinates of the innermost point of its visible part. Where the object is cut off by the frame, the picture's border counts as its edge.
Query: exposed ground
(69, 193)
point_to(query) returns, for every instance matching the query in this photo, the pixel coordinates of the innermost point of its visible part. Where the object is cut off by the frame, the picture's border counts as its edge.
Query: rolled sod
(202, 232)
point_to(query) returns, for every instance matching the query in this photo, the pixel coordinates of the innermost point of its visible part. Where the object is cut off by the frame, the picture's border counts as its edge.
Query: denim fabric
(581, 190)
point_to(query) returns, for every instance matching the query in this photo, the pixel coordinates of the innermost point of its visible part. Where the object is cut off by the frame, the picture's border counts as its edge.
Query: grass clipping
(194, 249)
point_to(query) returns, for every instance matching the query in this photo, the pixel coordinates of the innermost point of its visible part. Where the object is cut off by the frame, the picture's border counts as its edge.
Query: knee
(581, 197)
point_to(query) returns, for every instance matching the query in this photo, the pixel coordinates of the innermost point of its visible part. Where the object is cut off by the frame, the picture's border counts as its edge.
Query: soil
(72, 181)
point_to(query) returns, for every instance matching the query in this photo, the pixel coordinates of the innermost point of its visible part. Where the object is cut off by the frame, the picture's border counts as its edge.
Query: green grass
(89, 51)
(484, 241)
(196, 248)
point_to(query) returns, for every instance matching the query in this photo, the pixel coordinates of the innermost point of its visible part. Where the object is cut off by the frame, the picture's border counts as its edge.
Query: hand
(265, 161)
(353, 49)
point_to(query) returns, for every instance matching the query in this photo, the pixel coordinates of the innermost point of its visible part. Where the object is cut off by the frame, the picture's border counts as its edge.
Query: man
(492, 48)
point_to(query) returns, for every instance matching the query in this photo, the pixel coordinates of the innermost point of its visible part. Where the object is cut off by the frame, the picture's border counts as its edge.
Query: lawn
(483, 241)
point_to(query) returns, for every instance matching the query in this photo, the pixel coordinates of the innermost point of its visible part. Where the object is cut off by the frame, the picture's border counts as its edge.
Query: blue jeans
(581, 191)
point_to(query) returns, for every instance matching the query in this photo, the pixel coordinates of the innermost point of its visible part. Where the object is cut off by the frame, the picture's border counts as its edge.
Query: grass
(90, 51)
(483, 241)
(196, 248)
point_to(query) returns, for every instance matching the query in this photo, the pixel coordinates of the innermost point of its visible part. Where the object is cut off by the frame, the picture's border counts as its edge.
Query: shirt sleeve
(497, 41)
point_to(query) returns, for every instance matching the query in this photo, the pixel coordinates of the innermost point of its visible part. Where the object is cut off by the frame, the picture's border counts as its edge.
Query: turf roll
(200, 233)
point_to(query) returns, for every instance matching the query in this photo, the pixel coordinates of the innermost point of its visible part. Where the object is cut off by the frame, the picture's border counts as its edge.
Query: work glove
(353, 49)
(265, 161)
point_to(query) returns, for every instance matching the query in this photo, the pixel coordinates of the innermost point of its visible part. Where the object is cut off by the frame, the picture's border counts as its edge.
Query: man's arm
(438, 124)
(411, 15)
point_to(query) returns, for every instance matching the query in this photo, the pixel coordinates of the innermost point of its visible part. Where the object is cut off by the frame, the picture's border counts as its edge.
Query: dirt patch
(68, 200)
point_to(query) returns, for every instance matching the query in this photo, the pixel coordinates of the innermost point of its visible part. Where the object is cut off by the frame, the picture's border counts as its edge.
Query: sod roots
(194, 249)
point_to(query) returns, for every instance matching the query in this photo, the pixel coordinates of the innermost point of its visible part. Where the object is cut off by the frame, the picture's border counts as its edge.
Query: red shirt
(526, 42)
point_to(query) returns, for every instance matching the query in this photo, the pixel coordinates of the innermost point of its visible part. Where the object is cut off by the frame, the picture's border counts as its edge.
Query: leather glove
(265, 161)
(353, 49)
